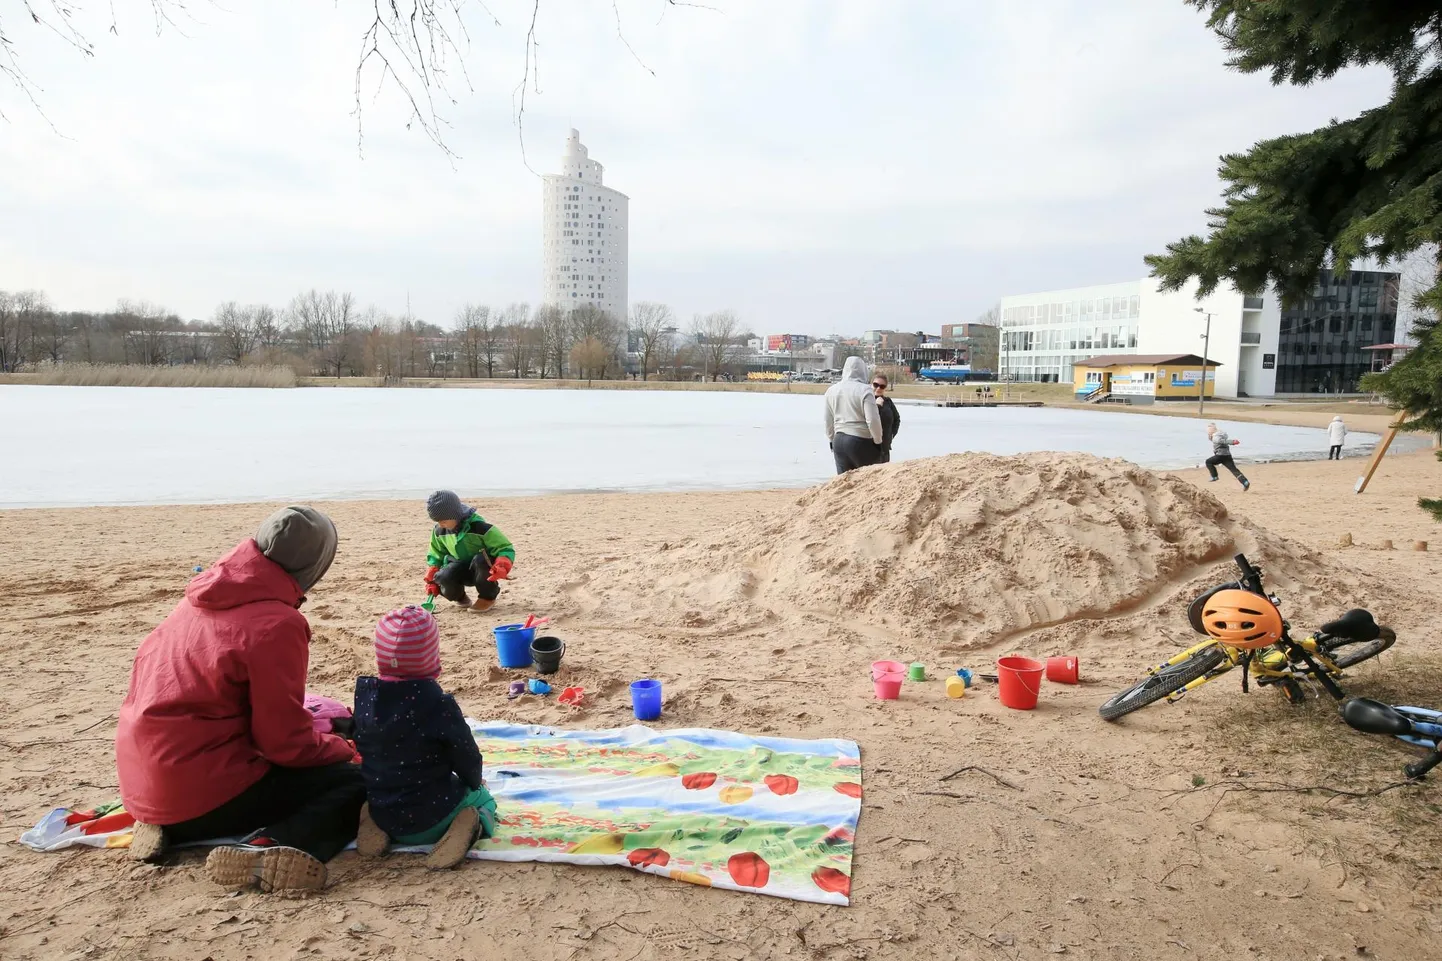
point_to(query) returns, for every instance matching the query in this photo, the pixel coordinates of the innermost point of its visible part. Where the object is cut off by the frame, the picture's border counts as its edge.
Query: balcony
(1251, 303)
(1250, 339)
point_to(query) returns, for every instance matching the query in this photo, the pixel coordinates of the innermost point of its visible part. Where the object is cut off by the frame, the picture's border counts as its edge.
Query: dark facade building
(1322, 341)
(982, 343)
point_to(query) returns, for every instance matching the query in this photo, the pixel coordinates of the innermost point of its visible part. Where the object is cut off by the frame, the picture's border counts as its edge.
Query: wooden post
(1377, 455)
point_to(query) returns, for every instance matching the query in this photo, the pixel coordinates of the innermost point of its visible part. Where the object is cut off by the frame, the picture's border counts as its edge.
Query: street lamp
(1206, 349)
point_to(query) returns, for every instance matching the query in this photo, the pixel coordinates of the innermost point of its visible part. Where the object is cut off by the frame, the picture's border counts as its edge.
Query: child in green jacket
(465, 552)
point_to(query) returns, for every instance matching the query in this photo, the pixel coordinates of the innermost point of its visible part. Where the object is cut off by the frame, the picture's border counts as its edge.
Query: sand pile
(969, 549)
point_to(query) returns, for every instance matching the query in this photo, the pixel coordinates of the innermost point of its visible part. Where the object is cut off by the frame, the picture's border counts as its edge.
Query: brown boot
(370, 840)
(147, 842)
(451, 849)
(482, 604)
(268, 868)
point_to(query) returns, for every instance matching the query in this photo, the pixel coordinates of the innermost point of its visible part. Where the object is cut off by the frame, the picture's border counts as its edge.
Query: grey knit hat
(301, 540)
(446, 506)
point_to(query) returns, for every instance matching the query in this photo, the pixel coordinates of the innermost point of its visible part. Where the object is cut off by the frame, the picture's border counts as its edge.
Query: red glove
(431, 573)
(1235, 443)
(500, 569)
(433, 589)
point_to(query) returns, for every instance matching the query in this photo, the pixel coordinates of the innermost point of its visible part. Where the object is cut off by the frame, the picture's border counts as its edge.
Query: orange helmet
(1242, 619)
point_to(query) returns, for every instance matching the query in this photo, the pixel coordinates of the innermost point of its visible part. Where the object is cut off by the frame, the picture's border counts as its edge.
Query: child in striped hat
(421, 765)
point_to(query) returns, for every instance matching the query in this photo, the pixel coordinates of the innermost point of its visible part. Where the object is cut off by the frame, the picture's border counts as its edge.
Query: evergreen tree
(1365, 188)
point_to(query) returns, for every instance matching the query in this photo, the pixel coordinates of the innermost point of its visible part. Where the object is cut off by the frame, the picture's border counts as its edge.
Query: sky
(817, 166)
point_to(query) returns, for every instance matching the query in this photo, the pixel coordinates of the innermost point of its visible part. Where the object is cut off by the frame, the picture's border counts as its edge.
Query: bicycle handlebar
(1251, 577)
(1420, 769)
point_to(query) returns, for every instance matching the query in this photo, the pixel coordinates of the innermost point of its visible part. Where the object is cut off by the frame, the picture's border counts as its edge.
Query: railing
(1251, 303)
(1250, 338)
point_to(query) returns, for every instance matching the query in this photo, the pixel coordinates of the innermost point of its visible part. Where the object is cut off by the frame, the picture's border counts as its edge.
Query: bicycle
(1415, 725)
(1260, 642)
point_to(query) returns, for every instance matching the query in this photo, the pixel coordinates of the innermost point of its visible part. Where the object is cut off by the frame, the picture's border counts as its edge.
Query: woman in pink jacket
(214, 739)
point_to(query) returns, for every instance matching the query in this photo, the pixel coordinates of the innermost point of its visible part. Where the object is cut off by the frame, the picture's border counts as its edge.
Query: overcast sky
(816, 165)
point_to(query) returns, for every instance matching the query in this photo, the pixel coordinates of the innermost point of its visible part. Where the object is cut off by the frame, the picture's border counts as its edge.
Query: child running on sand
(1222, 455)
(465, 552)
(419, 759)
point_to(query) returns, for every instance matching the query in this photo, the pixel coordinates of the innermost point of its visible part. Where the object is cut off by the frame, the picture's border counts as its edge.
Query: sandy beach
(1213, 828)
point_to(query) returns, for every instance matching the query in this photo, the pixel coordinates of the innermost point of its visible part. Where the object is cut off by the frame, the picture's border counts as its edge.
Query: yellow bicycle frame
(1269, 662)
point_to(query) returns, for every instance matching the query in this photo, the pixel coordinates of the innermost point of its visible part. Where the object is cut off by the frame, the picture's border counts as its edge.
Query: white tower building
(584, 236)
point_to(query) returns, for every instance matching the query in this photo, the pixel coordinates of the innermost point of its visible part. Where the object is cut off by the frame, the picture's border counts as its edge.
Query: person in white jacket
(1336, 434)
(853, 424)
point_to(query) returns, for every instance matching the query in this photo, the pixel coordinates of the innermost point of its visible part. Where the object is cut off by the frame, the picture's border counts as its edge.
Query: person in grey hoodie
(853, 423)
(1222, 455)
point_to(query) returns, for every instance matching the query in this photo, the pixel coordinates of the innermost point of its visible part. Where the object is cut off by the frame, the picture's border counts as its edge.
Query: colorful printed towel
(772, 815)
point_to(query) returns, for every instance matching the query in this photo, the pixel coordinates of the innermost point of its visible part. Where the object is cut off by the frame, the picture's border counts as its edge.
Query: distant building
(1261, 350)
(787, 343)
(981, 343)
(1045, 335)
(1324, 343)
(1144, 378)
(585, 245)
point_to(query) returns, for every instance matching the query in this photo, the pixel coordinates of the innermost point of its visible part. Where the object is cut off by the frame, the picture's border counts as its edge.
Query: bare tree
(591, 357)
(237, 334)
(148, 331)
(520, 337)
(9, 333)
(554, 326)
(55, 330)
(650, 322)
(417, 47)
(327, 325)
(716, 335)
(468, 336)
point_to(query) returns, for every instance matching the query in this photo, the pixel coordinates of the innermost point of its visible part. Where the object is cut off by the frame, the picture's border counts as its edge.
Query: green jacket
(472, 536)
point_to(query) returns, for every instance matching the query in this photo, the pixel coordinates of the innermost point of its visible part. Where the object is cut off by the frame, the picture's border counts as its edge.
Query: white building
(1044, 334)
(584, 236)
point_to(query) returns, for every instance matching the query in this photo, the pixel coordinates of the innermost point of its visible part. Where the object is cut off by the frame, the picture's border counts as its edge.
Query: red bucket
(1063, 670)
(1019, 681)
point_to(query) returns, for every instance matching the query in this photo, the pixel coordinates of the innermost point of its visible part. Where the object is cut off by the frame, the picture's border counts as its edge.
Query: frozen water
(68, 446)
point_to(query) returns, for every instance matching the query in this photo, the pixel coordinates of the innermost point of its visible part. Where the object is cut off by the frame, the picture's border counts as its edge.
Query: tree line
(327, 333)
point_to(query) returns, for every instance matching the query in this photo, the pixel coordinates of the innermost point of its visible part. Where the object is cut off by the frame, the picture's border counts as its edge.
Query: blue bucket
(646, 699)
(513, 645)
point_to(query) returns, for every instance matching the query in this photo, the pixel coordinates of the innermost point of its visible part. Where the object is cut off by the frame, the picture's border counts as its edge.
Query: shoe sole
(276, 869)
(451, 849)
(370, 840)
(147, 843)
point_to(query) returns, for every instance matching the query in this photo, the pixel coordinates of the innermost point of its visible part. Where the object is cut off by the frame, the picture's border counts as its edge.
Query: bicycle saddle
(1374, 717)
(1355, 625)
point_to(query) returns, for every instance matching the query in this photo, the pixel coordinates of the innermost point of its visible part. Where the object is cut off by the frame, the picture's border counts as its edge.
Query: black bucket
(546, 654)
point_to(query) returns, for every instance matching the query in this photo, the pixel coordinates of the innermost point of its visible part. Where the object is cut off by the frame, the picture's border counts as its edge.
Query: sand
(1175, 833)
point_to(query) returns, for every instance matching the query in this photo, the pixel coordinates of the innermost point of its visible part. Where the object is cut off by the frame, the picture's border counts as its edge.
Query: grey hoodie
(301, 540)
(850, 405)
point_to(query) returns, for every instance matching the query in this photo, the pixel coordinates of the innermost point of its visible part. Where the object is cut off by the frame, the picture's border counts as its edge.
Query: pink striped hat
(408, 645)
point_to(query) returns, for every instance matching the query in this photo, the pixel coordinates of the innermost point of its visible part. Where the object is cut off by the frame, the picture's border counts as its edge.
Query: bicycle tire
(1164, 682)
(1345, 653)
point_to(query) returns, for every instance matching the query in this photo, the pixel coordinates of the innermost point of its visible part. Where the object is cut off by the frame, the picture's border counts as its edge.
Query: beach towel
(774, 816)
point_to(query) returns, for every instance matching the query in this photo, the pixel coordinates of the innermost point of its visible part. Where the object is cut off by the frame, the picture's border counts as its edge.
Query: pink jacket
(217, 694)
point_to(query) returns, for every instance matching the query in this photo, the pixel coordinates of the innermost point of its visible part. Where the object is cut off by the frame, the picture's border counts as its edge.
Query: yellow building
(1143, 378)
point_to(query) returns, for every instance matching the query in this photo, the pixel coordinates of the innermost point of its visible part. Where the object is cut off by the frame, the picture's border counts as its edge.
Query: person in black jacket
(890, 416)
(419, 759)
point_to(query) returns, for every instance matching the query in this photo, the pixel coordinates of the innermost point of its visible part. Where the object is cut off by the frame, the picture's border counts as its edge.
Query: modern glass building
(1322, 341)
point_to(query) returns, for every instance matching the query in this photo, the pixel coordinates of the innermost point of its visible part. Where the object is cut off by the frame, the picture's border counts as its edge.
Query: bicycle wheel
(1165, 681)
(1345, 653)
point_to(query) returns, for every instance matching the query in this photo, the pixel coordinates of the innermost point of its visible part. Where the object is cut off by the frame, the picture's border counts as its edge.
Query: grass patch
(135, 375)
